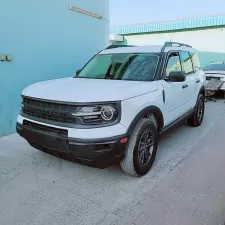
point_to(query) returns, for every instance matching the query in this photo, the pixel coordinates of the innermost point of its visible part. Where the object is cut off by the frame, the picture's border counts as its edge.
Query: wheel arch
(144, 113)
(202, 90)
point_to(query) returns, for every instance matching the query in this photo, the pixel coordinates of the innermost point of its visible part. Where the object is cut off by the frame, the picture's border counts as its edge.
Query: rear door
(192, 78)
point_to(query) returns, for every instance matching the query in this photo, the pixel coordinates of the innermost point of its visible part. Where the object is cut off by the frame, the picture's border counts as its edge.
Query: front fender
(143, 114)
(135, 108)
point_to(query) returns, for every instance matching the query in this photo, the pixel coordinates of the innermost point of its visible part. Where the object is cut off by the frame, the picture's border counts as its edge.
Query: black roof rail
(118, 46)
(170, 44)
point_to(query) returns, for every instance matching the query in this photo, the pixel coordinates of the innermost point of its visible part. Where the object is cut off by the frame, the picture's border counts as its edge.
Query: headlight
(98, 114)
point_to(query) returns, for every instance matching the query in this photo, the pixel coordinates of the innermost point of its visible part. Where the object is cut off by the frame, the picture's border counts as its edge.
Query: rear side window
(187, 65)
(195, 60)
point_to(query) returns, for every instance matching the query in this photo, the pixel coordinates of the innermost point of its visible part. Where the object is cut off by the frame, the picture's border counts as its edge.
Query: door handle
(185, 86)
(197, 81)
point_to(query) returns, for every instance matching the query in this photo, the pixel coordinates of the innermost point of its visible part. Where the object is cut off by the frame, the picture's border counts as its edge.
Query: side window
(186, 63)
(195, 60)
(173, 63)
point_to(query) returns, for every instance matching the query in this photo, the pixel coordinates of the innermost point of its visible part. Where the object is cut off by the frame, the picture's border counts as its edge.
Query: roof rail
(118, 46)
(170, 44)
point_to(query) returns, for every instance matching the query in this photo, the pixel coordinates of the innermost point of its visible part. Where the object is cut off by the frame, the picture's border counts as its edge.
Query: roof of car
(145, 49)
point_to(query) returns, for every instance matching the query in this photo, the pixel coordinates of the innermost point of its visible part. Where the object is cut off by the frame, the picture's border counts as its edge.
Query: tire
(136, 162)
(197, 117)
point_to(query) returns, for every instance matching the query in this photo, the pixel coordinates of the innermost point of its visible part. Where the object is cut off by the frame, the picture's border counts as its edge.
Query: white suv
(116, 107)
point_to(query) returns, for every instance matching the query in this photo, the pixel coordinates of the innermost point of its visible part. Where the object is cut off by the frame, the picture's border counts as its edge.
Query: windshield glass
(216, 66)
(125, 66)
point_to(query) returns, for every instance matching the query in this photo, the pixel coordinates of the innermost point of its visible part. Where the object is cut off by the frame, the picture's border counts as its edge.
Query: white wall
(211, 40)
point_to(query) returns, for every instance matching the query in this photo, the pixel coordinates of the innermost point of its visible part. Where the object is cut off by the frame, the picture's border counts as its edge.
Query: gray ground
(36, 188)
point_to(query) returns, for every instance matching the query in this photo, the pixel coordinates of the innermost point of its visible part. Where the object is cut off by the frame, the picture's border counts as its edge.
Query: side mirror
(177, 76)
(78, 71)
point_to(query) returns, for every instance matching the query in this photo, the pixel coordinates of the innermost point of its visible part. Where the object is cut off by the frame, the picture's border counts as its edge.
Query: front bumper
(94, 152)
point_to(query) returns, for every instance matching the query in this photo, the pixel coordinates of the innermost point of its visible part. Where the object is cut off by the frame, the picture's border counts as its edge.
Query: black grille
(209, 78)
(42, 128)
(49, 111)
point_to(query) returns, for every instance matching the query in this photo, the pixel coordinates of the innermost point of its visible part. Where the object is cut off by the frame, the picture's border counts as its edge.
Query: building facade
(206, 34)
(45, 40)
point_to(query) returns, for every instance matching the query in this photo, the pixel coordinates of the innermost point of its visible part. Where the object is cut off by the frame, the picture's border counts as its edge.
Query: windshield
(125, 66)
(215, 66)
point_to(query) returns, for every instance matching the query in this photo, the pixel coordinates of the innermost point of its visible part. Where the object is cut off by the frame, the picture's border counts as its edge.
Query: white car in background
(215, 70)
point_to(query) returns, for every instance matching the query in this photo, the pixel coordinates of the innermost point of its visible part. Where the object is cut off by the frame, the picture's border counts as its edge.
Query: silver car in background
(215, 70)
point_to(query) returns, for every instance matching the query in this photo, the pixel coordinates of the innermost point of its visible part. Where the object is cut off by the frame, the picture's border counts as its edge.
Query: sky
(127, 12)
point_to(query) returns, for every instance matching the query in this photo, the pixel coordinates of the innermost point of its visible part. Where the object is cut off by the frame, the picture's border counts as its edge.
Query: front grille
(43, 128)
(45, 110)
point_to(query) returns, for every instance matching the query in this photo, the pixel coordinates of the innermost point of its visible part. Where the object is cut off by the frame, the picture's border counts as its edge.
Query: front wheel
(141, 149)
(198, 115)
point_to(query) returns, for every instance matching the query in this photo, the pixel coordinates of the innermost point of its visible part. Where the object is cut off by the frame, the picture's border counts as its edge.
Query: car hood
(88, 90)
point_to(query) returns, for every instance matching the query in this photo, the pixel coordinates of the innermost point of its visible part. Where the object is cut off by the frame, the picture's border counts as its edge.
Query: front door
(176, 93)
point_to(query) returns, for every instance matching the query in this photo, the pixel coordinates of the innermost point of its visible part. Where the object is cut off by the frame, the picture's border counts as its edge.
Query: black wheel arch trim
(143, 113)
(202, 90)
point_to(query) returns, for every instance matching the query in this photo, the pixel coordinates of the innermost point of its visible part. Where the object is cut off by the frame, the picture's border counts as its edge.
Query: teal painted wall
(208, 57)
(176, 25)
(47, 41)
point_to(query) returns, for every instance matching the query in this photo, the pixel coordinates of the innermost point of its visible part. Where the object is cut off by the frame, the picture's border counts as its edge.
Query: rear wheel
(198, 115)
(141, 149)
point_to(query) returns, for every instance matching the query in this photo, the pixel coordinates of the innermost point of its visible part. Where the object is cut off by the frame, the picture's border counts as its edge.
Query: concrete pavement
(36, 188)
(193, 193)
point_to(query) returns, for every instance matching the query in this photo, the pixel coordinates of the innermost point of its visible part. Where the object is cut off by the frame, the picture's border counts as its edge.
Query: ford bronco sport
(116, 106)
